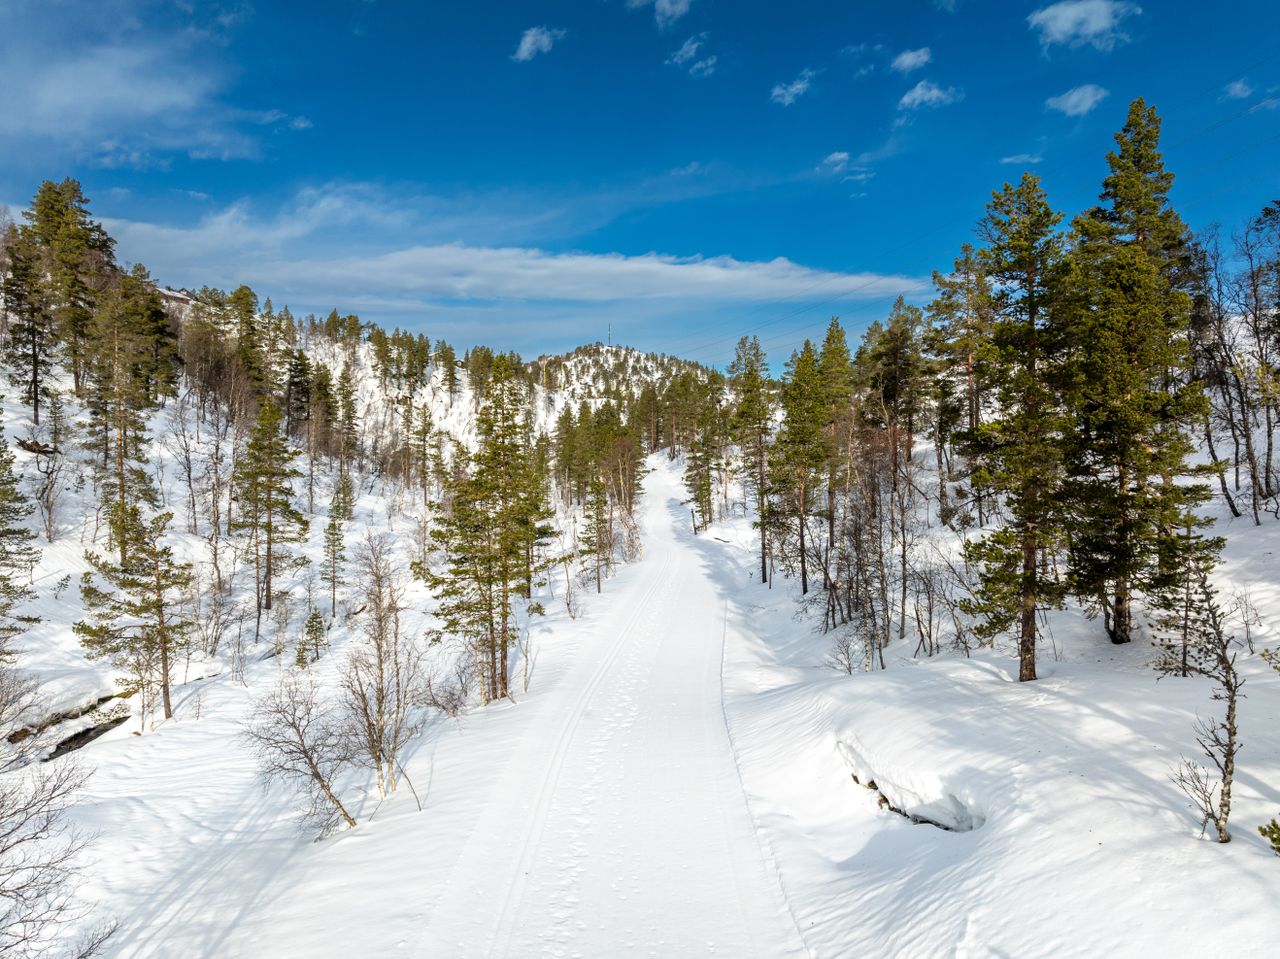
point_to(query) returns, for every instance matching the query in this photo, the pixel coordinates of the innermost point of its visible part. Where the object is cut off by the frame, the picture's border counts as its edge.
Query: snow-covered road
(618, 825)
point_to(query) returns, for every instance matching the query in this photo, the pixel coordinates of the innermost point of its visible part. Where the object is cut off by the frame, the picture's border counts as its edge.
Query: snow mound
(949, 802)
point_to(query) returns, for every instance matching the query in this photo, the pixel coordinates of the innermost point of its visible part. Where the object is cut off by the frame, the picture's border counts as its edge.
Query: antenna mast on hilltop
(611, 332)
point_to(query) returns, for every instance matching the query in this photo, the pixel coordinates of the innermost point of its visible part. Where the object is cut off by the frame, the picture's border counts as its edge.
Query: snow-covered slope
(1065, 835)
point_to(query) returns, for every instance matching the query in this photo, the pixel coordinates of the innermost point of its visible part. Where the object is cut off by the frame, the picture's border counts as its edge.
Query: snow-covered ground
(677, 781)
(600, 815)
(1067, 836)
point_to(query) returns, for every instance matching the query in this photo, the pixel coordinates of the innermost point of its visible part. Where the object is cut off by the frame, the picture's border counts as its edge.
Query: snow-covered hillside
(679, 772)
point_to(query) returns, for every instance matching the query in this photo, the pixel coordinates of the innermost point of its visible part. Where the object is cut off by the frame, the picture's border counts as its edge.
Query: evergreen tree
(138, 622)
(1017, 453)
(348, 419)
(596, 516)
(448, 368)
(18, 552)
(960, 323)
(312, 640)
(297, 392)
(340, 512)
(243, 303)
(750, 426)
(1128, 386)
(77, 261)
(1135, 197)
(32, 341)
(262, 484)
(489, 535)
(129, 370)
(800, 452)
(835, 376)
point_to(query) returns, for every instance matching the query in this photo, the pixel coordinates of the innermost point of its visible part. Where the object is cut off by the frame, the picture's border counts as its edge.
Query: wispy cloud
(277, 256)
(704, 68)
(665, 12)
(1023, 159)
(929, 94)
(1237, 90)
(687, 50)
(687, 53)
(1077, 101)
(909, 60)
(119, 95)
(534, 41)
(788, 93)
(1078, 23)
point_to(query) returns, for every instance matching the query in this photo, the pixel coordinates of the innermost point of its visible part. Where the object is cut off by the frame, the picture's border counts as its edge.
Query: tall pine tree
(1017, 453)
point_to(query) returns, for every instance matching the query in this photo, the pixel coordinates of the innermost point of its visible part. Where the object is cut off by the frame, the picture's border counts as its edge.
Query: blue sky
(526, 174)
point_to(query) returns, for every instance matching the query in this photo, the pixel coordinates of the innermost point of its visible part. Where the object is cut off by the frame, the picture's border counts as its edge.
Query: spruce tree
(750, 426)
(77, 258)
(340, 512)
(130, 368)
(800, 452)
(312, 640)
(490, 533)
(32, 342)
(296, 401)
(138, 621)
(959, 324)
(1017, 453)
(348, 419)
(262, 483)
(243, 303)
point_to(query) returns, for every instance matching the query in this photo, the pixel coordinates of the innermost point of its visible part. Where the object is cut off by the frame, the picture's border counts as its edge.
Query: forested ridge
(386, 518)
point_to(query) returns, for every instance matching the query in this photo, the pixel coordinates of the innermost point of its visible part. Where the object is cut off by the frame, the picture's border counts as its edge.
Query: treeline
(1062, 380)
(1063, 377)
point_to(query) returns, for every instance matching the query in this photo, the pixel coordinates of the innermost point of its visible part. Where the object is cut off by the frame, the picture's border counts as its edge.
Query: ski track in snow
(630, 834)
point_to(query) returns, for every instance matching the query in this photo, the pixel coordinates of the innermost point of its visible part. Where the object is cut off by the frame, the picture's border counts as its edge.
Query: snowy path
(602, 815)
(619, 826)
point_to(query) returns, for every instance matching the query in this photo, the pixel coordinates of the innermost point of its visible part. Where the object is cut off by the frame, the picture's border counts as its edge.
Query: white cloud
(690, 168)
(836, 162)
(909, 60)
(928, 94)
(536, 40)
(1237, 90)
(233, 246)
(688, 51)
(119, 95)
(1077, 101)
(665, 12)
(703, 68)
(946, 6)
(1077, 23)
(788, 93)
(1027, 159)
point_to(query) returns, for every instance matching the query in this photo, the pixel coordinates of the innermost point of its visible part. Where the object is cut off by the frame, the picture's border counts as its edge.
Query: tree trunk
(1027, 637)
